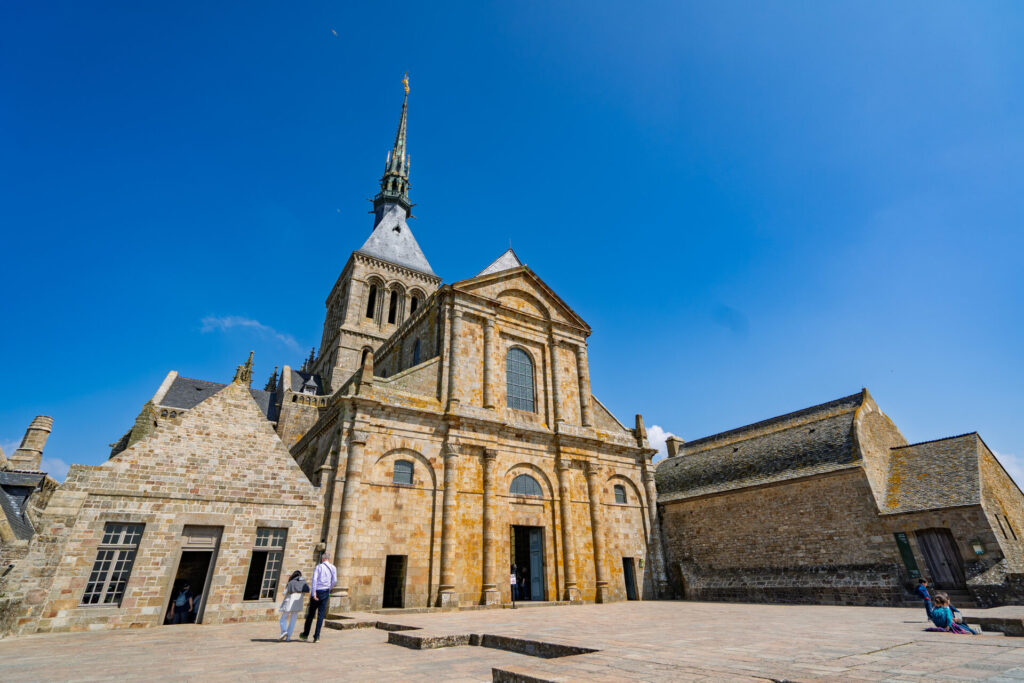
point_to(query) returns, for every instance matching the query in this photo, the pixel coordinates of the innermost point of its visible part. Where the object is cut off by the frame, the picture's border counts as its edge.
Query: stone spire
(394, 185)
(272, 382)
(29, 455)
(243, 375)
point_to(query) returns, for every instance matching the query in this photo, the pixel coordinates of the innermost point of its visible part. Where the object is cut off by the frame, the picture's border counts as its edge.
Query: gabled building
(831, 505)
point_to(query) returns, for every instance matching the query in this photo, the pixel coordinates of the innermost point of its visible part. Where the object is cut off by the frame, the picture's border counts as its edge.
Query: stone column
(572, 592)
(556, 404)
(489, 363)
(446, 594)
(332, 478)
(597, 528)
(583, 373)
(657, 553)
(453, 360)
(344, 548)
(491, 596)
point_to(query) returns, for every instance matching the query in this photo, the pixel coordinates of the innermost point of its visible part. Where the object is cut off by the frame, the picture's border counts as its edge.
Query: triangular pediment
(519, 288)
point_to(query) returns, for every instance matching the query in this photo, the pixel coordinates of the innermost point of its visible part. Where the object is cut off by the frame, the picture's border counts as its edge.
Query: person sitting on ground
(942, 617)
(183, 604)
(958, 616)
(291, 606)
(922, 592)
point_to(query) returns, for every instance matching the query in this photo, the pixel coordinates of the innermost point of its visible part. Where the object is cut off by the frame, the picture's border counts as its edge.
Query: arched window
(414, 304)
(519, 380)
(416, 353)
(403, 472)
(620, 493)
(393, 308)
(371, 302)
(525, 485)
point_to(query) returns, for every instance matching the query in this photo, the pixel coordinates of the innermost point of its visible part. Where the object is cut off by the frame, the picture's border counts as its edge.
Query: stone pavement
(653, 641)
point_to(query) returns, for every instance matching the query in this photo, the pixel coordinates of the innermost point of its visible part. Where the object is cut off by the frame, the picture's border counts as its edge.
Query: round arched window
(525, 485)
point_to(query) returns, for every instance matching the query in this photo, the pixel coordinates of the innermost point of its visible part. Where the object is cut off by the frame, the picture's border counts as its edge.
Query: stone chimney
(675, 446)
(29, 455)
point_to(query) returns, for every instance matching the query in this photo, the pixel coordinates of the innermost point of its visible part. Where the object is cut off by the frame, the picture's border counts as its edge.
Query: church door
(943, 558)
(536, 563)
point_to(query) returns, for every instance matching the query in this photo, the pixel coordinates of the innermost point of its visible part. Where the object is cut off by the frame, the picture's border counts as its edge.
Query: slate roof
(506, 261)
(933, 474)
(187, 393)
(814, 440)
(393, 241)
(15, 488)
(300, 379)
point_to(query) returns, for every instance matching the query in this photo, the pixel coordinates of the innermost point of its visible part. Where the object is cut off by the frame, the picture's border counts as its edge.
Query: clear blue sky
(756, 206)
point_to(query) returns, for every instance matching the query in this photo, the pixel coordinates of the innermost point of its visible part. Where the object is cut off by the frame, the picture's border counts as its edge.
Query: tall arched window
(416, 353)
(519, 380)
(414, 304)
(371, 302)
(525, 485)
(393, 308)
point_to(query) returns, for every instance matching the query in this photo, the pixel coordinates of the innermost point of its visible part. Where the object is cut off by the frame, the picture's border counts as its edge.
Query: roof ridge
(773, 420)
(943, 438)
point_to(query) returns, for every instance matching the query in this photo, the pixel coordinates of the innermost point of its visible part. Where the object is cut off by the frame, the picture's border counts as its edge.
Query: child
(942, 617)
(922, 591)
(958, 616)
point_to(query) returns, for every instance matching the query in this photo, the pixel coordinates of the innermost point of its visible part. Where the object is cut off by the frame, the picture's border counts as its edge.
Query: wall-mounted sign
(907, 554)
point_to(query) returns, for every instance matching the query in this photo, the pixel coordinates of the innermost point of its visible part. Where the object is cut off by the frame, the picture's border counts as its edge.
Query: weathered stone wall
(221, 465)
(817, 540)
(1001, 496)
(875, 435)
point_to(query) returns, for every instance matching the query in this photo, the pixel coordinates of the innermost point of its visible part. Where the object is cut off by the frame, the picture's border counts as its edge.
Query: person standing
(922, 592)
(325, 576)
(291, 606)
(183, 604)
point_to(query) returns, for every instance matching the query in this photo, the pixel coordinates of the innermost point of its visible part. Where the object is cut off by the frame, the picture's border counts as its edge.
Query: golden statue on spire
(405, 82)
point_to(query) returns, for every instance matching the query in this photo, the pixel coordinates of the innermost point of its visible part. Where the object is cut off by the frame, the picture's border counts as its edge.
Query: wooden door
(943, 558)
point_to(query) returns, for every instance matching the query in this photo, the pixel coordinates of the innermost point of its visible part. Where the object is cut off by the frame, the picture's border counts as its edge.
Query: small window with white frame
(113, 566)
(265, 565)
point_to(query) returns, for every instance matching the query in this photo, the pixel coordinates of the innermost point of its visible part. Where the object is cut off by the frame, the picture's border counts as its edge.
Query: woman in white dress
(291, 606)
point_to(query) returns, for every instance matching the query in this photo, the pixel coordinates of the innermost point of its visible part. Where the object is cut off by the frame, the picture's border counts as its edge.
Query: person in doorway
(193, 615)
(942, 617)
(291, 606)
(922, 592)
(523, 585)
(182, 604)
(325, 576)
(514, 582)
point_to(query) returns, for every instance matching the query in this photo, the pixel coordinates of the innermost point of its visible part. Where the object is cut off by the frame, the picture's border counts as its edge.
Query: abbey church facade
(443, 440)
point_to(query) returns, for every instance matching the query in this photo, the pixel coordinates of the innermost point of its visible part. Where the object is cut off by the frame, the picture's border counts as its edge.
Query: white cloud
(55, 467)
(212, 323)
(9, 447)
(656, 435)
(1014, 466)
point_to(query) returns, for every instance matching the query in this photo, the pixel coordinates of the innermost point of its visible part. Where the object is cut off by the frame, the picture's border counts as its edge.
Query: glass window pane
(620, 493)
(525, 485)
(519, 380)
(403, 472)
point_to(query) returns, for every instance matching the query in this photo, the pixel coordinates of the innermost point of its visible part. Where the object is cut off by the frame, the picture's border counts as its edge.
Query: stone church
(444, 439)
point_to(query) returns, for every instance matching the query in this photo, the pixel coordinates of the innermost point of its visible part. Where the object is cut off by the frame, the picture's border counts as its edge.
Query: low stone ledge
(417, 641)
(533, 648)
(385, 626)
(1008, 625)
(348, 625)
(526, 674)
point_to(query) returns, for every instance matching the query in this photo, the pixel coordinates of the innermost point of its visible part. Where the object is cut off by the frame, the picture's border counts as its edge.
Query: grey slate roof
(506, 261)
(392, 241)
(187, 393)
(300, 379)
(810, 441)
(15, 488)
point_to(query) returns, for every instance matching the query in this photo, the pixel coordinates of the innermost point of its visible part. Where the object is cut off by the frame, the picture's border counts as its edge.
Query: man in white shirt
(325, 576)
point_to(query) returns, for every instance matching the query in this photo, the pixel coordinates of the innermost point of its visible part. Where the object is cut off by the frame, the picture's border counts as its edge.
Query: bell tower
(384, 283)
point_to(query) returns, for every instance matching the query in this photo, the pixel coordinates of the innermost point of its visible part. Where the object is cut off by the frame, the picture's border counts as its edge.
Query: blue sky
(756, 206)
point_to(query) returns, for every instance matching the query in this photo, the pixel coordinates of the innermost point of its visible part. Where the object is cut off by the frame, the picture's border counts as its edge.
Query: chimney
(674, 445)
(29, 455)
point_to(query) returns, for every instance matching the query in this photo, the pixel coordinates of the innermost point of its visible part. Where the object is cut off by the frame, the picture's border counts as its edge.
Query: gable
(222, 449)
(519, 289)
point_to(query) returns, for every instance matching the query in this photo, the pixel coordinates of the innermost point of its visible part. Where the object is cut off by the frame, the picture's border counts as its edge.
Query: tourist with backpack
(183, 604)
(291, 606)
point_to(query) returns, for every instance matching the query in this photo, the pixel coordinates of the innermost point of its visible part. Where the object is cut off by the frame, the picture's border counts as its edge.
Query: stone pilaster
(491, 596)
(597, 528)
(657, 553)
(332, 479)
(349, 505)
(453, 355)
(489, 363)
(583, 373)
(446, 591)
(571, 590)
(556, 402)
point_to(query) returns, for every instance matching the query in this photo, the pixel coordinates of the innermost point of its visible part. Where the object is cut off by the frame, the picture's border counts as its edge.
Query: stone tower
(29, 455)
(385, 282)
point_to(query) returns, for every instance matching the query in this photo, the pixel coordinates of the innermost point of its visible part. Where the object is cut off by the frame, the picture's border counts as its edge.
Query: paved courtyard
(652, 641)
